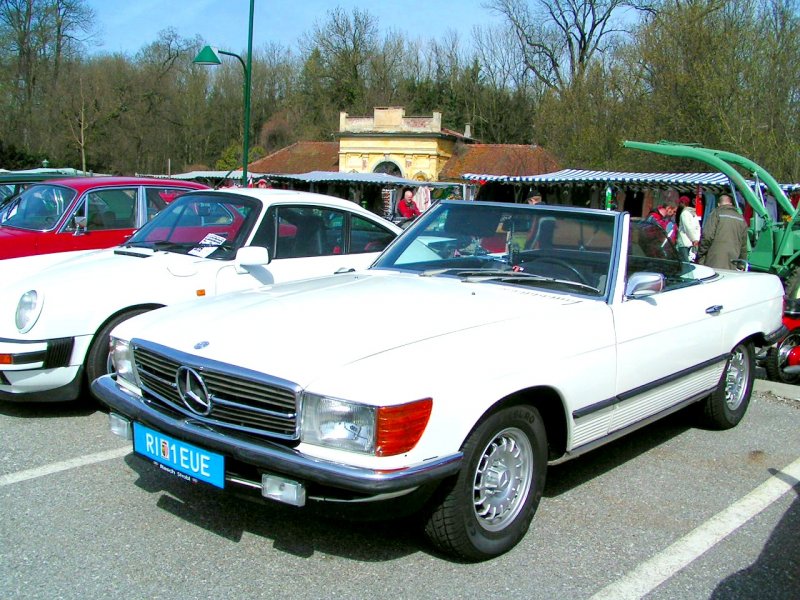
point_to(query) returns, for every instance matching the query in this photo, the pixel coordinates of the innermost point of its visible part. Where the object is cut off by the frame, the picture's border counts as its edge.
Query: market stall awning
(361, 178)
(612, 177)
(681, 181)
(313, 177)
(234, 175)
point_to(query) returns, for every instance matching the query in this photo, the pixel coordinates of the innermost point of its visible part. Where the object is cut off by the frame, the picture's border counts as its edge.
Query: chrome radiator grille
(239, 399)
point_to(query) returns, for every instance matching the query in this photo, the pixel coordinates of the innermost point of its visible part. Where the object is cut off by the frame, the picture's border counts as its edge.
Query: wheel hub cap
(502, 479)
(736, 379)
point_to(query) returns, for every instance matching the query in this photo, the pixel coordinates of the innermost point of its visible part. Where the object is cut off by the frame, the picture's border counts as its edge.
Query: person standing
(664, 216)
(534, 197)
(407, 208)
(724, 236)
(688, 230)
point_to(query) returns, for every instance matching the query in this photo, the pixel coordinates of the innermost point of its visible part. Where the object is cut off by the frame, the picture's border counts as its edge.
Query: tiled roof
(454, 134)
(300, 157)
(499, 159)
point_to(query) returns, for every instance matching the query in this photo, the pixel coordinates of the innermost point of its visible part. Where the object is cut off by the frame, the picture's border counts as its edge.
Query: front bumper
(39, 371)
(276, 458)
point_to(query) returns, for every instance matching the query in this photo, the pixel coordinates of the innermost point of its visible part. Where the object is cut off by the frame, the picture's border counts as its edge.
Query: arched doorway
(388, 168)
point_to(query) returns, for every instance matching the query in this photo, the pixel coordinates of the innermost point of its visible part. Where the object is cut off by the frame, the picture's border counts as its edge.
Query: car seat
(102, 220)
(308, 241)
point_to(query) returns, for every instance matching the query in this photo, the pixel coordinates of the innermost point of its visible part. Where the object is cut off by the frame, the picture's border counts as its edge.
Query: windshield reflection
(39, 208)
(200, 225)
(552, 248)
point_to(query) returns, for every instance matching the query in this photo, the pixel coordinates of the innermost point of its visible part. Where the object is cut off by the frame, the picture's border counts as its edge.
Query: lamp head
(208, 56)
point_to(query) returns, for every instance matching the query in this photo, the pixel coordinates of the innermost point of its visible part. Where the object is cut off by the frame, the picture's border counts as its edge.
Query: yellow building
(390, 142)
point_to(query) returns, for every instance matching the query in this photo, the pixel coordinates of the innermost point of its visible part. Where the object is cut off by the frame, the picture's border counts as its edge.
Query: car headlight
(378, 430)
(29, 308)
(122, 360)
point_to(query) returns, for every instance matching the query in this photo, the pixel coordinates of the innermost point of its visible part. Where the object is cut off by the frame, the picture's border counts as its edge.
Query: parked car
(444, 370)
(204, 243)
(82, 213)
(14, 182)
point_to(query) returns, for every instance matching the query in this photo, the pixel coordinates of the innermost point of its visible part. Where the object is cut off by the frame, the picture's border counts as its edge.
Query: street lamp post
(210, 56)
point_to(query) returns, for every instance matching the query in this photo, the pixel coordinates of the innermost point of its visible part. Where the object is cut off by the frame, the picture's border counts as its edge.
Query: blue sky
(128, 25)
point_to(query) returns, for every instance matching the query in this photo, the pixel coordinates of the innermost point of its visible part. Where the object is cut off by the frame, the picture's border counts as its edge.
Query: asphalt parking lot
(671, 511)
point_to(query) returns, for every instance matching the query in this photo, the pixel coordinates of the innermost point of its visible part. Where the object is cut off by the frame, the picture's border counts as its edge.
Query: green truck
(774, 246)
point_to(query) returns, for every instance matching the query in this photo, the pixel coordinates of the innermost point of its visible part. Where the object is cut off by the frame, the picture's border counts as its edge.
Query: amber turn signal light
(400, 427)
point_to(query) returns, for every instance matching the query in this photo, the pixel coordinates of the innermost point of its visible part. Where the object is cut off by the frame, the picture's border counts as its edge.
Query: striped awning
(681, 181)
(357, 178)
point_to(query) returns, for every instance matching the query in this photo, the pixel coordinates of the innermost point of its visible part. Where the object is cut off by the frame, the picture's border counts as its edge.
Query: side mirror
(80, 224)
(251, 256)
(644, 284)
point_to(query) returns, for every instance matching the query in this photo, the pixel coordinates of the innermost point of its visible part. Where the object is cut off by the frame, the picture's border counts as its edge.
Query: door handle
(714, 310)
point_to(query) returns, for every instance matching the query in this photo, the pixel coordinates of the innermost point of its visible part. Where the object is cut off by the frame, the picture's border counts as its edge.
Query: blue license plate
(179, 458)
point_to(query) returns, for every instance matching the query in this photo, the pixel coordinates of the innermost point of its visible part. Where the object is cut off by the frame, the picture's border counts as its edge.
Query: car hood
(28, 267)
(294, 330)
(99, 267)
(99, 275)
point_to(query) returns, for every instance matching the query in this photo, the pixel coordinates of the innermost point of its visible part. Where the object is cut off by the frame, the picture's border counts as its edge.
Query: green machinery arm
(709, 157)
(762, 173)
(780, 249)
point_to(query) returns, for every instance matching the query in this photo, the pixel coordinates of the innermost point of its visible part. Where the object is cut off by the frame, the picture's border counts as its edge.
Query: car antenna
(221, 181)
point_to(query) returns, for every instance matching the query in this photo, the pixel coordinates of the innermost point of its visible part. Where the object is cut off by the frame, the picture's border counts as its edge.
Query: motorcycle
(782, 360)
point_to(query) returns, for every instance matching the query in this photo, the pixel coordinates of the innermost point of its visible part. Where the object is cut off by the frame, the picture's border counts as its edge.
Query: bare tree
(560, 38)
(346, 44)
(35, 37)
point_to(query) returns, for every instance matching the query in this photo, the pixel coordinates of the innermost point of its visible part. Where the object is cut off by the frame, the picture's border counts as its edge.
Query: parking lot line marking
(64, 465)
(655, 571)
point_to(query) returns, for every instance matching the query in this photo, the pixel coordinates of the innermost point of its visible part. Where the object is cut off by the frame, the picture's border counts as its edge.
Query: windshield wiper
(167, 245)
(479, 275)
(462, 272)
(521, 277)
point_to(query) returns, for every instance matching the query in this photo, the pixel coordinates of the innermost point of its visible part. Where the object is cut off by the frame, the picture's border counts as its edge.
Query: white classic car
(488, 340)
(60, 308)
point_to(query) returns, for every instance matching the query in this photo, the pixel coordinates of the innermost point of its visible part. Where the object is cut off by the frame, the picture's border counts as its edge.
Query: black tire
(726, 406)
(480, 514)
(97, 360)
(777, 358)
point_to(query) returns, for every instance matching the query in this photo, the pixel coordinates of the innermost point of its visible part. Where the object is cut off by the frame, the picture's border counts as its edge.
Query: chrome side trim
(597, 406)
(575, 452)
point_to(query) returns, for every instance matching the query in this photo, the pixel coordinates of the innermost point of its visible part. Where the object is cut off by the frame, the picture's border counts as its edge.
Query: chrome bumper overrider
(275, 457)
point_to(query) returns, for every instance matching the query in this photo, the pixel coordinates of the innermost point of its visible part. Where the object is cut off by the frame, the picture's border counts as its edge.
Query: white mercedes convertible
(487, 341)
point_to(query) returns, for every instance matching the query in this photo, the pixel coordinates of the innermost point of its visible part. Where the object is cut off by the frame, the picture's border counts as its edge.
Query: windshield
(200, 225)
(38, 208)
(6, 191)
(533, 246)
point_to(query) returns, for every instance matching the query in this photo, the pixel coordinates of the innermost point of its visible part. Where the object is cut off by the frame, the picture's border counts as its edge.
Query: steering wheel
(565, 265)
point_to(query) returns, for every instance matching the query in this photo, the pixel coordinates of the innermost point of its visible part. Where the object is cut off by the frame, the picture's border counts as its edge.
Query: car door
(155, 199)
(310, 241)
(109, 216)
(669, 344)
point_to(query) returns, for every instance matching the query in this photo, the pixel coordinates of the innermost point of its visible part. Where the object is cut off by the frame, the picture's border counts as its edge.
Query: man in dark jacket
(724, 236)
